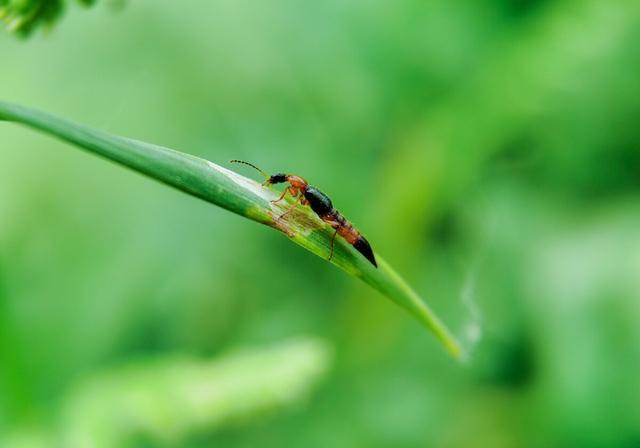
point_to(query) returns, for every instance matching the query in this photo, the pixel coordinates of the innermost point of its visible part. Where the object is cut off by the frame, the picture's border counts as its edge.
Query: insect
(306, 194)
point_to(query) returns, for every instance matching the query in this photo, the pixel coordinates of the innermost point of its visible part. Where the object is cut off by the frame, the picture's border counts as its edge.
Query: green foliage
(22, 17)
(165, 401)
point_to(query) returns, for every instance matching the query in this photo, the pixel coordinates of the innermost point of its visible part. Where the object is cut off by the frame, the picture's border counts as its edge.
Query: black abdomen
(318, 201)
(363, 246)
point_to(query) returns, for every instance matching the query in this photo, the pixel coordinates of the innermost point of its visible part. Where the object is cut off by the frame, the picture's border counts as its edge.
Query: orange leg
(295, 204)
(284, 193)
(333, 238)
(292, 191)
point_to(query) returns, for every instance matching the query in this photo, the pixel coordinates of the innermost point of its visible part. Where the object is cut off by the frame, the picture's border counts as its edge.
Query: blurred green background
(490, 150)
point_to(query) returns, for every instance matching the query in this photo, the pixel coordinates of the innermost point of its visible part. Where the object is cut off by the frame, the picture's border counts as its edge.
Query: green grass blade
(240, 195)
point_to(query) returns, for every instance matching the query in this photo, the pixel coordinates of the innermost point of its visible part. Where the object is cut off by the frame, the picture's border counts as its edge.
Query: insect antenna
(251, 165)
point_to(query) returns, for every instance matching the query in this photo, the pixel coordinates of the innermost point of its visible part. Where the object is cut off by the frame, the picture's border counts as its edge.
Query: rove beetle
(306, 194)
